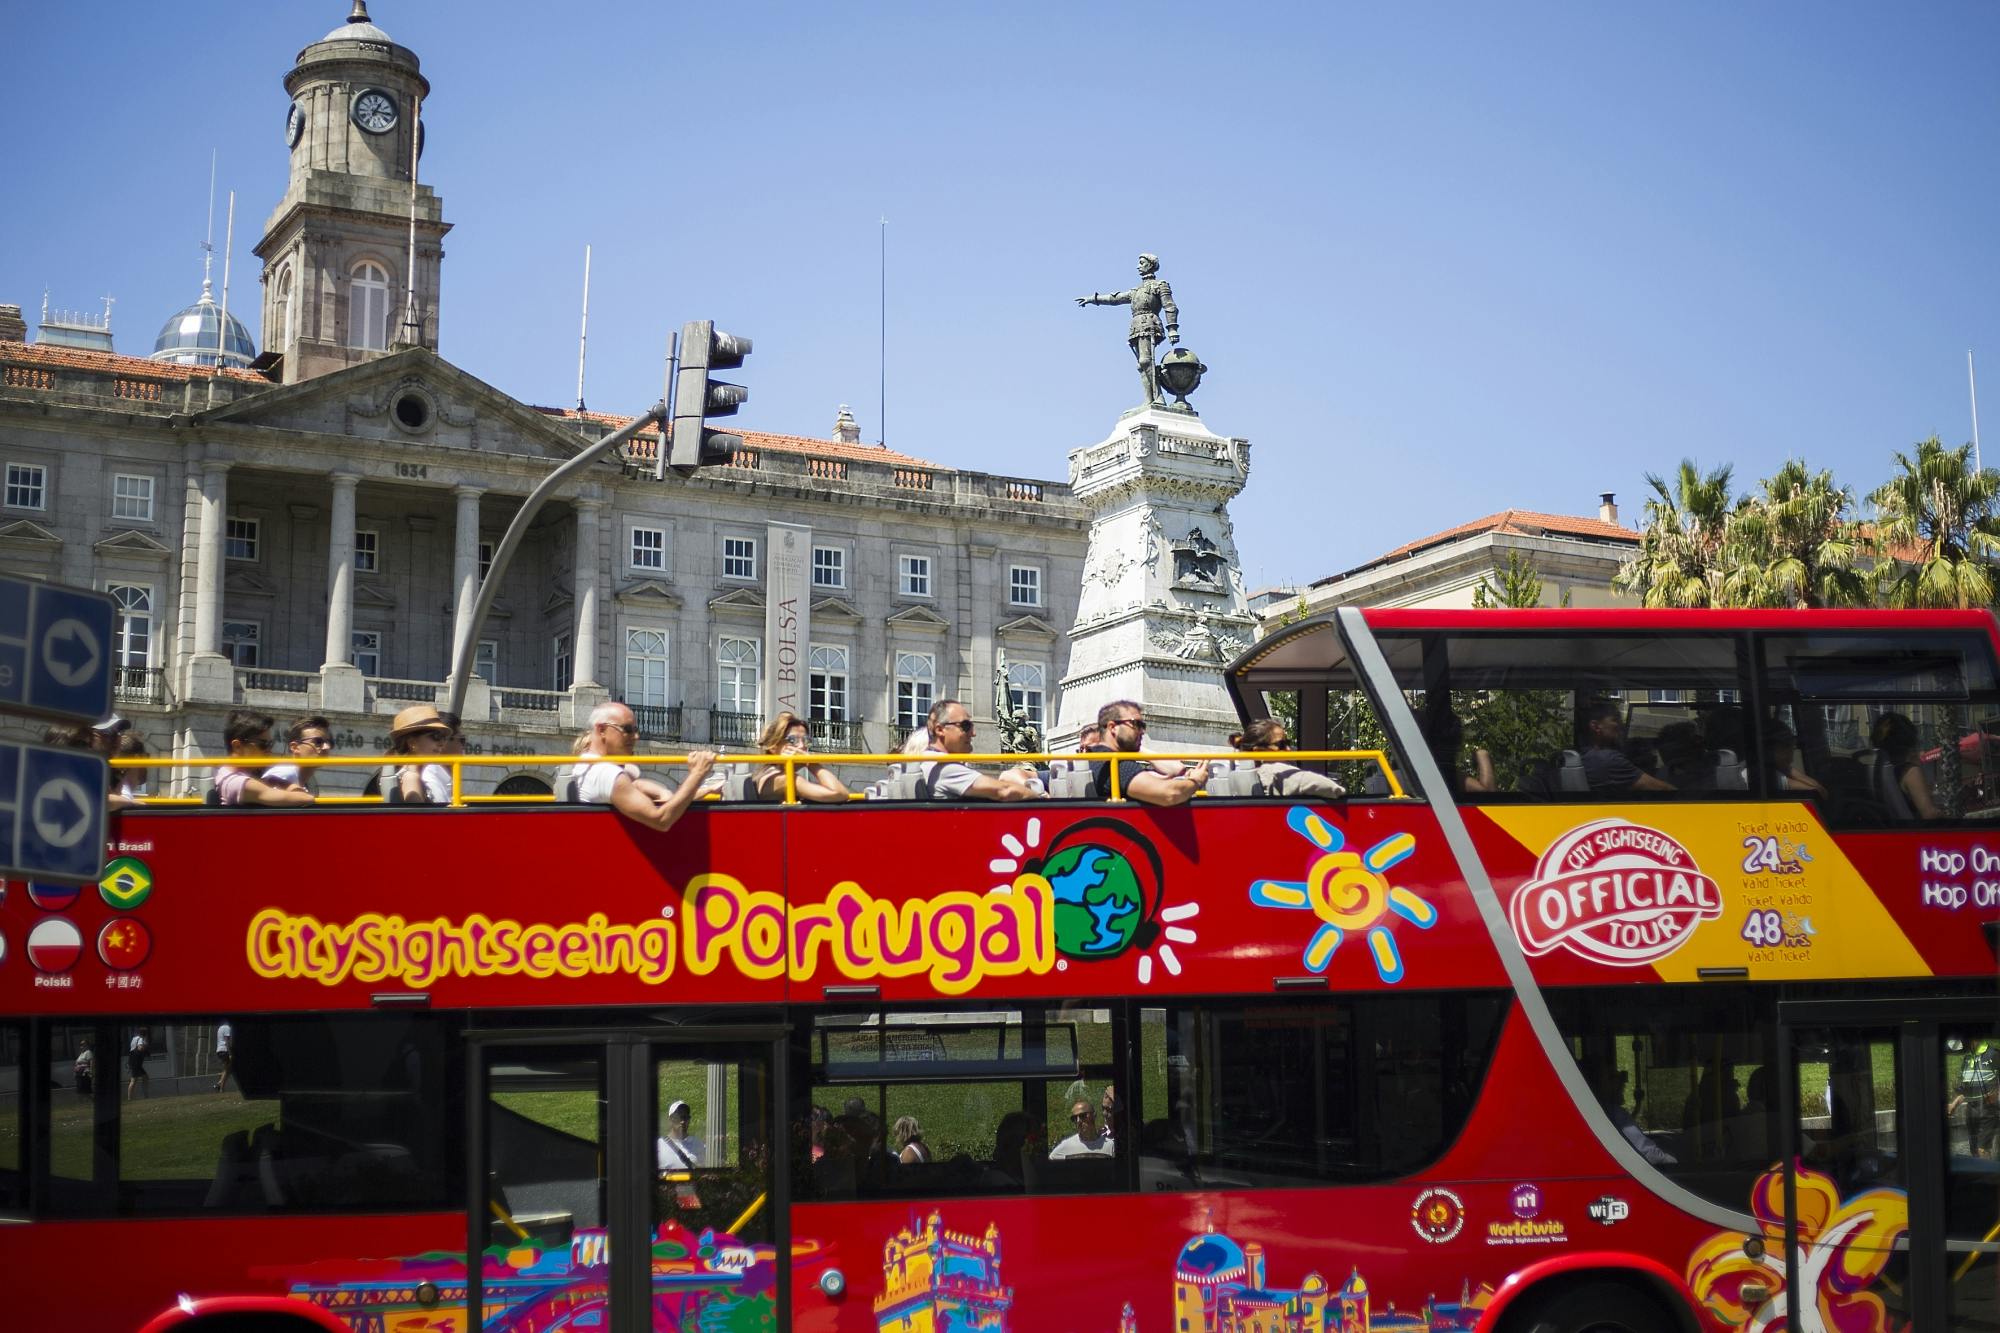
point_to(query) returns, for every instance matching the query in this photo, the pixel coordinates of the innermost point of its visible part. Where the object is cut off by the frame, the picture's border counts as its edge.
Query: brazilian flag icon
(126, 883)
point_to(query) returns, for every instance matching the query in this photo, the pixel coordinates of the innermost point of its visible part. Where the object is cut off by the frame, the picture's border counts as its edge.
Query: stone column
(345, 690)
(465, 593)
(211, 677)
(584, 692)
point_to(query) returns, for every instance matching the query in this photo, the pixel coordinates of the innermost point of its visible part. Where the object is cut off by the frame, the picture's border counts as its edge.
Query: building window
(827, 697)
(239, 641)
(739, 557)
(368, 307)
(27, 486)
(913, 575)
(646, 668)
(737, 664)
(564, 660)
(649, 550)
(135, 623)
(1027, 689)
(366, 646)
(132, 497)
(486, 661)
(367, 552)
(1024, 585)
(239, 538)
(485, 559)
(829, 567)
(916, 687)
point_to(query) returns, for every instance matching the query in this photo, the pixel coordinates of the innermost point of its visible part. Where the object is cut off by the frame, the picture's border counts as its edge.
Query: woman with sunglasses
(789, 734)
(1278, 778)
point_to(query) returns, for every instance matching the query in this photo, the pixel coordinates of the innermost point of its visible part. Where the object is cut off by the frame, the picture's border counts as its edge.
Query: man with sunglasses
(1089, 1139)
(951, 732)
(614, 733)
(247, 733)
(1150, 782)
(308, 738)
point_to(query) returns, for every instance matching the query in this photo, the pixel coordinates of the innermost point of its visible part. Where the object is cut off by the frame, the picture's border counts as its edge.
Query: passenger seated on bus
(910, 1149)
(1089, 1139)
(1447, 742)
(1685, 759)
(1277, 778)
(1010, 1152)
(1747, 1135)
(951, 729)
(1150, 782)
(77, 736)
(1605, 766)
(614, 733)
(1781, 755)
(1898, 781)
(248, 735)
(1609, 1085)
(789, 734)
(418, 734)
(1711, 1103)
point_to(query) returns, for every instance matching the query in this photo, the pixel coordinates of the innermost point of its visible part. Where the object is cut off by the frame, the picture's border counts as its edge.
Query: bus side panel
(117, 1275)
(1028, 900)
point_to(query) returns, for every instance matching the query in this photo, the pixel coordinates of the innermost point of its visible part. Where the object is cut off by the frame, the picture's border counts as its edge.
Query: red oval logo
(1615, 893)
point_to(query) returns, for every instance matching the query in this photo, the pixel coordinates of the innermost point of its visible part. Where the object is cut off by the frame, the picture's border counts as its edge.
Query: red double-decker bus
(1663, 998)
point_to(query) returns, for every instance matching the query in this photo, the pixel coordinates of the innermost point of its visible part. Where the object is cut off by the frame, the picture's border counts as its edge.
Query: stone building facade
(308, 536)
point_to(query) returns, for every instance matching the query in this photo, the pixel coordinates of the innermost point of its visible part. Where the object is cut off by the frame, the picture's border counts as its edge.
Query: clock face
(295, 125)
(374, 110)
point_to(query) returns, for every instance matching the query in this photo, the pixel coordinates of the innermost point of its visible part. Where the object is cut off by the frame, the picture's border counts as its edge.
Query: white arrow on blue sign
(55, 650)
(51, 812)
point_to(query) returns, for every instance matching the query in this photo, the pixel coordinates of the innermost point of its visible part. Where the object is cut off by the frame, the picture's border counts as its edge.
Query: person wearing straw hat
(614, 734)
(417, 734)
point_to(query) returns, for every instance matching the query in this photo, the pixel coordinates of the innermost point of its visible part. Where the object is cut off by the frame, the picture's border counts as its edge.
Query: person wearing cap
(248, 735)
(678, 1150)
(418, 733)
(614, 734)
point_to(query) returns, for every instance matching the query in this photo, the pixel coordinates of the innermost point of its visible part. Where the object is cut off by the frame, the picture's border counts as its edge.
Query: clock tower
(337, 250)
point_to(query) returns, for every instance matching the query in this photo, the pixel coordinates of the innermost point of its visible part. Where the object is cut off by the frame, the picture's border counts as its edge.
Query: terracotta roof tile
(754, 439)
(49, 357)
(1520, 522)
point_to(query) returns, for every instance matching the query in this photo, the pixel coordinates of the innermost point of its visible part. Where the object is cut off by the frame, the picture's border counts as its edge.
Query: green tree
(1518, 584)
(1938, 527)
(1794, 544)
(1683, 548)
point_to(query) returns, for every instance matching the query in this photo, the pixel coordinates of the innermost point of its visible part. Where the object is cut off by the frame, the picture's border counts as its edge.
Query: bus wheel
(1594, 1307)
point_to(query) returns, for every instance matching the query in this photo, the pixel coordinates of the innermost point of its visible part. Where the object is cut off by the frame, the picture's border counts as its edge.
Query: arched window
(368, 307)
(281, 314)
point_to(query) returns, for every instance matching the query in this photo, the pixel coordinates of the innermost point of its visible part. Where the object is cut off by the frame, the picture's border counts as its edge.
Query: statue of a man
(1153, 312)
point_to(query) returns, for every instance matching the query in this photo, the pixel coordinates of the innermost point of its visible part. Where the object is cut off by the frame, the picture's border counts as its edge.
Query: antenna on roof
(1973, 384)
(883, 355)
(413, 329)
(583, 333)
(208, 241)
(110, 301)
(228, 248)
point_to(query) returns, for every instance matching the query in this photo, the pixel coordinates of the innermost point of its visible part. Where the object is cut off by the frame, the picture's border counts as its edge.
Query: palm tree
(1794, 544)
(1682, 551)
(1938, 525)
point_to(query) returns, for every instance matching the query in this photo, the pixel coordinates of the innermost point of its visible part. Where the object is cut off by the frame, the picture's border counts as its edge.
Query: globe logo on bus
(1099, 904)
(1108, 884)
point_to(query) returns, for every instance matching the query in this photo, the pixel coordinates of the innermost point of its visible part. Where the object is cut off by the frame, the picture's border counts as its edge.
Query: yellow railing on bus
(460, 798)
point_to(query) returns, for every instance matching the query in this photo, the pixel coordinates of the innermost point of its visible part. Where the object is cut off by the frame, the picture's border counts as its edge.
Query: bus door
(623, 1181)
(1892, 1183)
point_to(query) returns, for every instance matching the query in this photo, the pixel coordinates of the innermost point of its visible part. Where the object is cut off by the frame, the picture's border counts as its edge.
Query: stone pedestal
(343, 689)
(576, 709)
(1163, 607)
(211, 678)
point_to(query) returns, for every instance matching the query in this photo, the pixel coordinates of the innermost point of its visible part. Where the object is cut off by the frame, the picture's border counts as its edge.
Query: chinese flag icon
(124, 943)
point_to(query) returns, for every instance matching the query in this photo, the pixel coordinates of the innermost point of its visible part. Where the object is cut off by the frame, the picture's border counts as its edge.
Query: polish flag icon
(124, 943)
(54, 944)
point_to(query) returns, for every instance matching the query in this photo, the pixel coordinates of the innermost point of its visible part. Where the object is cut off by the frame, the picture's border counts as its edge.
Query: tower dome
(358, 28)
(199, 336)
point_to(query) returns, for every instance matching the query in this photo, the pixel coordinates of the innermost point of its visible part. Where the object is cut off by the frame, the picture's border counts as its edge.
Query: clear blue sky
(1440, 259)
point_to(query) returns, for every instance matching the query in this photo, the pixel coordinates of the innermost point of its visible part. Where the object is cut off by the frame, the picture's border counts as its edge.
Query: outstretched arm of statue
(1105, 298)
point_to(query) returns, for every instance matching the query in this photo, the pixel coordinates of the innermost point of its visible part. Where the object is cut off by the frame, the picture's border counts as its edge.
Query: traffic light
(697, 397)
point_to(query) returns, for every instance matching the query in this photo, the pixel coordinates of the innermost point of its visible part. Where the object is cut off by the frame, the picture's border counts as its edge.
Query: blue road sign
(51, 812)
(55, 649)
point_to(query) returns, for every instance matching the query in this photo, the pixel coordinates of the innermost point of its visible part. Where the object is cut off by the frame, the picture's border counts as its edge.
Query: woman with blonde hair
(789, 734)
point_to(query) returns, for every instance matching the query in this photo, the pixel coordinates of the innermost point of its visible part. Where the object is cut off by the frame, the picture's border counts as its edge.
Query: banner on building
(787, 617)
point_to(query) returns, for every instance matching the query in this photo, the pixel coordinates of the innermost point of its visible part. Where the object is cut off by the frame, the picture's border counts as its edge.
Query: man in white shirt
(309, 738)
(614, 733)
(225, 1052)
(1089, 1140)
(678, 1150)
(950, 727)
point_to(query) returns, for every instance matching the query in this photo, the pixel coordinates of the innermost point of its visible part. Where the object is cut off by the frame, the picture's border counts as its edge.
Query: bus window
(1883, 730)
(1264, 1094)
(273, 1114)
(13, 1071)
(712, 1147)
(1970, 1065)
(969, 1102)
(1349, 723)
(1579, 716)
